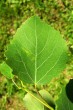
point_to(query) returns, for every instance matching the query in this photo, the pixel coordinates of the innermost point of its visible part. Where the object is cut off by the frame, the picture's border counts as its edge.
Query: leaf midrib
(35, 54)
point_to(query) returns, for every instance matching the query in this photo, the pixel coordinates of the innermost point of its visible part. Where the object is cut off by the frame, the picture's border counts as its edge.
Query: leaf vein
(50, 68)
(48, 56)
(23, 64)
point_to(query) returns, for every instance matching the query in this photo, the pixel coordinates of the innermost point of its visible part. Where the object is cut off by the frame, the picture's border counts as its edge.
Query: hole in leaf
(69, 90)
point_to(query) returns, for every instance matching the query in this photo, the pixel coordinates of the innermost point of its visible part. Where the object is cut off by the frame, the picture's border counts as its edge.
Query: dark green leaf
(65, 101)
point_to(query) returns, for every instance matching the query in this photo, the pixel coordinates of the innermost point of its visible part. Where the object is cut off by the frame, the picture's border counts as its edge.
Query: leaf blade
(63, 102)
(37, 55)
(6, 70)
(44, 101)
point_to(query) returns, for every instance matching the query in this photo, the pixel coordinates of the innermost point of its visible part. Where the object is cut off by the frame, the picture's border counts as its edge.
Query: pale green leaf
(37, 52)
(48, 98)
(32, 104)
(6, 70)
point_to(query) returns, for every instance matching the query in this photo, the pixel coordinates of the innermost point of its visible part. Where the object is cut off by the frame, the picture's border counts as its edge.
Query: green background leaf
(37, 53)
(65, 101)
(6, 70)
(32, 104)
(48, 98)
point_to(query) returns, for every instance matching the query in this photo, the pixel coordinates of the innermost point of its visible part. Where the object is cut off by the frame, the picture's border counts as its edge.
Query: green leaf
(65, 101)
(32, 104)
(37, 52)
(48, 98)
(6, 70)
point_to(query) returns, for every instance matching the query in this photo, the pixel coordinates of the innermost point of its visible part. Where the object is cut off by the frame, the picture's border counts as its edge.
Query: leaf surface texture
(37, 52)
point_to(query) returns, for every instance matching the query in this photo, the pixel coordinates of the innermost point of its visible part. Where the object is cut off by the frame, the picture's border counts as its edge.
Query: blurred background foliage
(57, 13)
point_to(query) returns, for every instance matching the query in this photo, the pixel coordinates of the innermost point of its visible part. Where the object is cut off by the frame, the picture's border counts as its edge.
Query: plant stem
(40, 100)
